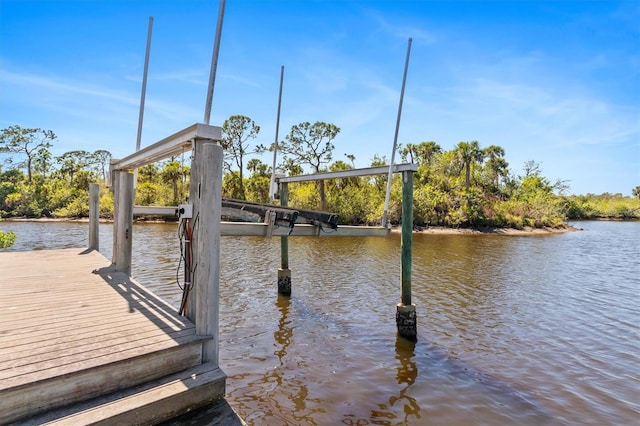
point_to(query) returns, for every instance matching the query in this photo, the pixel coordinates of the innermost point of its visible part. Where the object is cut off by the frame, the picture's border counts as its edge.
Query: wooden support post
(284, 273)
(194, 195)
(207, 238)
(94, 216)
(124, 231)
(405, 310)
(115, 184)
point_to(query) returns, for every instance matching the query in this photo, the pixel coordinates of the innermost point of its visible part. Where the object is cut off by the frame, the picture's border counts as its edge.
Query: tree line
(465, 186)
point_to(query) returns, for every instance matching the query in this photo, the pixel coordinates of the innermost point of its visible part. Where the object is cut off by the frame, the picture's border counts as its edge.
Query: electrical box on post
(185, 211)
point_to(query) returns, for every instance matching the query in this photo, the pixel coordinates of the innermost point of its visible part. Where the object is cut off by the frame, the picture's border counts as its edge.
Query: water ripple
(512, 330)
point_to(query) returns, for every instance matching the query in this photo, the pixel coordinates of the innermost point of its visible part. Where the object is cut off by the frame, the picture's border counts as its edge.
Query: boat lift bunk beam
(293, 215)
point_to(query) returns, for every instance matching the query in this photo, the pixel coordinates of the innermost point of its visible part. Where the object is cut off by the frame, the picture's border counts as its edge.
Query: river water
(536, 330)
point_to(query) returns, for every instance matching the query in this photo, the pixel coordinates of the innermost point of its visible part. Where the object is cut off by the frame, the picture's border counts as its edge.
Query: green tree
(148, 173)
(73, 162)
(173, 173)
(468, 154)
(259, 181)
(311, 144)
(43, 162)
(237, 130)
(495, 164)
(101, 158)
(636, 192)
(27, 141)
(291, 168)
(422, 153)
(351, 158)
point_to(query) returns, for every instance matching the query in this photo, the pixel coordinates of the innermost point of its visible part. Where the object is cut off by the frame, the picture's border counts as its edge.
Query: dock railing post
(194, 194)
(115, 183)
(284, 273)
(94, 216)
(124, 221)
(206, 278)
(405, 310)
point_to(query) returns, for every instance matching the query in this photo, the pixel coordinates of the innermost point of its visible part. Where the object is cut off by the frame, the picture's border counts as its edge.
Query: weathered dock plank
(72, 328)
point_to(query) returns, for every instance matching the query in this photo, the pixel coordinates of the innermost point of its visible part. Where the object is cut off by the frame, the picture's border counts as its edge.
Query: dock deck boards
(72, 329)
(57, 316)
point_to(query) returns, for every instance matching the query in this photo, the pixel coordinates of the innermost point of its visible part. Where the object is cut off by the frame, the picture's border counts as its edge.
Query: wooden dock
(83, 344)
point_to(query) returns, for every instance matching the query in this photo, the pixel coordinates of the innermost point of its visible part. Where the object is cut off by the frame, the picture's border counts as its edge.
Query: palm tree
(495, 163)
(427, 150)
(467, 154)
(421, 153)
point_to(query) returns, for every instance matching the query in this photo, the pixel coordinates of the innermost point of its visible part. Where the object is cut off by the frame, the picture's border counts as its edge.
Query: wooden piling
(207, 257)
(124, 231)
(94, 216)
(405, 310)
(284, 273)
(115, 182)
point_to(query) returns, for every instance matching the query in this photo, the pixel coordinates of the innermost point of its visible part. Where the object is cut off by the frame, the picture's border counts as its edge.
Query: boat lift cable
(185, 236)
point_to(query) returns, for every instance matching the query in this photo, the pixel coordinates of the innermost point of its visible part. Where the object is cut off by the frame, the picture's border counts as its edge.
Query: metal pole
(144, 83)
(143, 94)
(395, 138)
(272, 188)
(214, 64)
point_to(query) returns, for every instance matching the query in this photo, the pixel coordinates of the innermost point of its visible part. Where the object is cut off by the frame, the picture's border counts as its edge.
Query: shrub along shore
(468, 187)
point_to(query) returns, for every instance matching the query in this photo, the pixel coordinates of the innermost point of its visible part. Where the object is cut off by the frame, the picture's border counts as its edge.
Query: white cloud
(61, 87)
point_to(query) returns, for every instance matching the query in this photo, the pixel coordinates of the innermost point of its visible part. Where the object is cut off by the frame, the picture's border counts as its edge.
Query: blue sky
(557, 82)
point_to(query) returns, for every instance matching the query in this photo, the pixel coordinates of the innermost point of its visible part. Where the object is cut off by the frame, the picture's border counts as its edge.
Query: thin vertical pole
(94, 216)
(272, 186)
(143, 94)
(214, 64)
(144, 83)
(385, 214)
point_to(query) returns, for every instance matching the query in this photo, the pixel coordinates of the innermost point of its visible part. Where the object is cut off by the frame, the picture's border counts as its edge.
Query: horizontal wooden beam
(168, 147)
(155, 211)
(369, 171)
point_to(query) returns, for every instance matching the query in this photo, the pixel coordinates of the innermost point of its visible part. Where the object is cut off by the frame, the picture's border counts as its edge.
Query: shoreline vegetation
(467, 189)
(432, 230)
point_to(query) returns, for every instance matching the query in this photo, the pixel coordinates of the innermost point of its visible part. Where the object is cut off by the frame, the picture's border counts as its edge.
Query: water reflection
(406, 374)
(285, 331)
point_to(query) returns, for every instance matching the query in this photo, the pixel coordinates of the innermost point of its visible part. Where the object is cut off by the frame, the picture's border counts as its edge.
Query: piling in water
(284, 273)
(405, 310)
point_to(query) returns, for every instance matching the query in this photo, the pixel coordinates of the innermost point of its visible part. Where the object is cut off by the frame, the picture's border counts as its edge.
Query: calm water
(511, 330)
